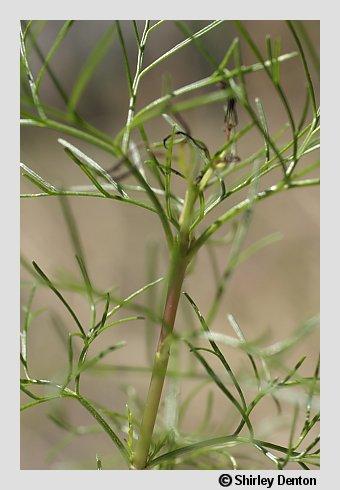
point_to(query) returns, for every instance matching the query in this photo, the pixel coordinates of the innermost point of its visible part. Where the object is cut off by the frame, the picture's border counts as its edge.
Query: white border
(175, 9)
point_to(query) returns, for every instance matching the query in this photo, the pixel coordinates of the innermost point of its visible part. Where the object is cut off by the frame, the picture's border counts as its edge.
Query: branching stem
(177, 269)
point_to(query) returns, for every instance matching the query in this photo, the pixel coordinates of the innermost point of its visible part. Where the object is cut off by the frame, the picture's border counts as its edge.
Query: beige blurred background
(274, 291)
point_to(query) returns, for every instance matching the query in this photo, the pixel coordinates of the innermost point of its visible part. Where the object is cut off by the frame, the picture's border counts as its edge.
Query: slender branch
(72, 131)
(238, 208)
(67, 393)
(134, 87)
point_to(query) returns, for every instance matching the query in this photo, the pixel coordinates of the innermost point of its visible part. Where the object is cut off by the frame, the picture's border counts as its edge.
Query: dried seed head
(230, 117)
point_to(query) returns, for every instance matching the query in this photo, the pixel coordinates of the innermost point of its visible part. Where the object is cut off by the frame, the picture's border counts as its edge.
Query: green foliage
(187, 228)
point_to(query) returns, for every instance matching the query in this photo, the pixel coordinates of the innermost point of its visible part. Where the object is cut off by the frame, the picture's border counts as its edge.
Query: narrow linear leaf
(96, 55)
(59, 295)
(95, 413)
(58, 40)
(183, 44)
(38, 180)
(216, 349)
(31, 81)
(126, 300)
(94, 360)
(221, 385)
(92, 165)
(235, 326)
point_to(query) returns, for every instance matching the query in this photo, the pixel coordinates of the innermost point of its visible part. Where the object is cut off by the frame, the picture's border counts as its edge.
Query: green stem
(241, 206)
(178, 265)
(134, 88)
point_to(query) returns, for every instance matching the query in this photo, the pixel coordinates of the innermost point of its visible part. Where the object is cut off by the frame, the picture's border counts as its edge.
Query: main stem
(177, 269)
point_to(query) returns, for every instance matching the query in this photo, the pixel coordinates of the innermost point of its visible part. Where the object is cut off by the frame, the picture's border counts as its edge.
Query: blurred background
(272, 293)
